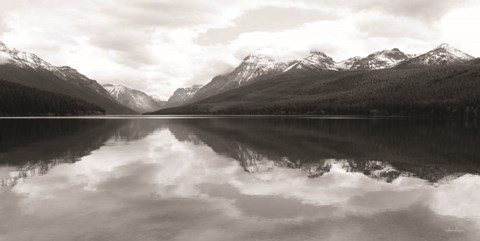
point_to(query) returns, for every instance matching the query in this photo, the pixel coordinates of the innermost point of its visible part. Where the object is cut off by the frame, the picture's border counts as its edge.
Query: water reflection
(239, 179)
(380, 149)
(32, 147)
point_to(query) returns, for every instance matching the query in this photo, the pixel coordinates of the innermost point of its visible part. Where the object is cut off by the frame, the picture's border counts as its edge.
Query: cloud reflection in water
(159, 188)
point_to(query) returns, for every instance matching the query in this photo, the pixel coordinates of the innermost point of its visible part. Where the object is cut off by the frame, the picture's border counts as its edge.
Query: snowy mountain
(182, 95)
(24, 59)
(444, 54)
(256, 66)
(348, 63)
(29, 60)
(251, 68)
(71, 75)
(316, 61)
(132, 98)
(30, 70)
(380, 60)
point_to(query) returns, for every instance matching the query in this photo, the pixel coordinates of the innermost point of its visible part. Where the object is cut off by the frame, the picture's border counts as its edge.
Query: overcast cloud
(159, 45)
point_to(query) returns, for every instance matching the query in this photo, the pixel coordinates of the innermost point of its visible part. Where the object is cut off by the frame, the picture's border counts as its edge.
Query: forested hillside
(19, 100)
(446, 90)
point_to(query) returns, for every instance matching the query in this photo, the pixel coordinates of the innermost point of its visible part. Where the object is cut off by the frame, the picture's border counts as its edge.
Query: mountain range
(257, 144)
(265, 145)
(317, 84)
(29, 70)
(442, 55)
(384, 82)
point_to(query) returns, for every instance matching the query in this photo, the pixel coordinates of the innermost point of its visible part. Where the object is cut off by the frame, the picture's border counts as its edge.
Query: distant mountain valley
(134, 99)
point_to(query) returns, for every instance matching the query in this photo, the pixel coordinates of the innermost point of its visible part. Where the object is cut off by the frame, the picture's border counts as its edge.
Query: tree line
(19, 100)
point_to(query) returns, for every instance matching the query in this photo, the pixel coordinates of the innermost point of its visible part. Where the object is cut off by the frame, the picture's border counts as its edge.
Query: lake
(239, 178)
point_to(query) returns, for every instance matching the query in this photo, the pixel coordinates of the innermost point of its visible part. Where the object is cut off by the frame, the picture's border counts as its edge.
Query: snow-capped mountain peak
(444, 54)
(24, 59)
(132, 98)
(380, 60)
(259, 65)
(256, 57)
(115, 90)
(66, 73)
(182, 95)
(254, 65)
(446, 46)
(454, 51)
(347, 64)
(259, 61)
(318, 53)
(319, 59)
(316, 60)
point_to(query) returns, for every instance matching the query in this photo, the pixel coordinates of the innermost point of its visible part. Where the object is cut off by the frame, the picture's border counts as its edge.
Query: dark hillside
(446, 90)
(19, 100)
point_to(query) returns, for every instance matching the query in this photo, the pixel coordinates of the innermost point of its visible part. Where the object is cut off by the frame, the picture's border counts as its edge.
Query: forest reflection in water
(213, 178)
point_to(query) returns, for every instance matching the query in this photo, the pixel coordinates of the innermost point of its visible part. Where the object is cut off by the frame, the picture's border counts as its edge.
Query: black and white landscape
(181, 120)
(442, 81)
(27, 69)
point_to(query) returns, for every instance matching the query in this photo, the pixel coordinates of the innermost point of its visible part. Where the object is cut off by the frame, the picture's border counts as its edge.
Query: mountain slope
(316, 61)
(380, 60)
(29, 70)
(250, 69)
(440, 56)
(182, 96)
(19, 100)
(132, 98)
(436, 90)
(256, 67)
(348, 63)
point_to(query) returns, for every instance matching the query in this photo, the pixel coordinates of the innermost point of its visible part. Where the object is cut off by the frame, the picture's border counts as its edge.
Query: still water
(239, 179)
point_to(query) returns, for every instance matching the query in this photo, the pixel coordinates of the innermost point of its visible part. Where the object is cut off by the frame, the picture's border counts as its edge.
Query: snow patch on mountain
(182, 95)
(348, 63)
(444, 54)
(380, 60)
(132, 98)
(25, 59)
(115, 90)
(255, 65)
(316, 60)
(454, 51)
(29, 60)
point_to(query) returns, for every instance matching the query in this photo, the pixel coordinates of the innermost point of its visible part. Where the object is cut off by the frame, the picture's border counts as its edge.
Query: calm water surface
(239, 179)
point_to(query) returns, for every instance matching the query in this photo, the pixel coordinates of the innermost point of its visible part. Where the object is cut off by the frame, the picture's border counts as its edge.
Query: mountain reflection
(380, 149)
(238, 179)
(32, 147)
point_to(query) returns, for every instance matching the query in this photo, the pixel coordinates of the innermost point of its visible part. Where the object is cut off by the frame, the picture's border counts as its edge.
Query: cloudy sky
(160, 45)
